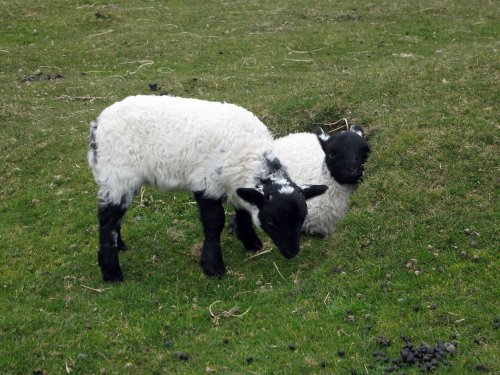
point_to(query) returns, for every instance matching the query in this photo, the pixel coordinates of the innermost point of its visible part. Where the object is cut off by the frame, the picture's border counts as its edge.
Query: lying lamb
(216, 150)
(336, 161)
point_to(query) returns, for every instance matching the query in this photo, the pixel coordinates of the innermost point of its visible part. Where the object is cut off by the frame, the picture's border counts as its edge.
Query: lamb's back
(179, 143)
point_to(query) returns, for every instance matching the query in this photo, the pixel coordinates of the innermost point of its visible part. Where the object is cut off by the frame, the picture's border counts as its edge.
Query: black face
(345, 156)
(281, 217)
(282, 210)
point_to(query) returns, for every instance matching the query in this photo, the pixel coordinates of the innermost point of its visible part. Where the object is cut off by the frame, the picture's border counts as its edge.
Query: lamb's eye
(270, 222)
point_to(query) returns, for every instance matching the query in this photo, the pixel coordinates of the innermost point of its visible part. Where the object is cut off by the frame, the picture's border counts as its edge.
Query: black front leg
(212, 218)
(245, 232)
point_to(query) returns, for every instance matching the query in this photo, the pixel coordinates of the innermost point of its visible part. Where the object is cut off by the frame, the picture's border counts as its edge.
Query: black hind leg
(243, 228)
(109, 216)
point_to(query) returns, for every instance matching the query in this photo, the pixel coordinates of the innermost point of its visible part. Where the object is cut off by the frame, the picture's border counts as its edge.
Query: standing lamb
(216, 150)
(336, 161)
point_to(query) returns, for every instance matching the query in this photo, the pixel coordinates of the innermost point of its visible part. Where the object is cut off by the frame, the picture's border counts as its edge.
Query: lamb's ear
(358, 129)
(251, 195)
(323, 138)
(311, 191)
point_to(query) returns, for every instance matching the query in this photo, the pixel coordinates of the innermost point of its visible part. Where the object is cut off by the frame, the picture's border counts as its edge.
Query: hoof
(254, 246)
(112, 277)
(110, 266)
(214, 270)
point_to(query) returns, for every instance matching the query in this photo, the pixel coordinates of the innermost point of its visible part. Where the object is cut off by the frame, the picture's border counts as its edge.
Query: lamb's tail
(92, 154)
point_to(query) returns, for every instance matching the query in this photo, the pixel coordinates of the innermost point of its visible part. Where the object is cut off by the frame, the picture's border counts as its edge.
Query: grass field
(417, 255)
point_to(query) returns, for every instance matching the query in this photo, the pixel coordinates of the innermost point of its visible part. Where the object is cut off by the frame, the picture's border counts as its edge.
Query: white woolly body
(177, 144)
(305, 161)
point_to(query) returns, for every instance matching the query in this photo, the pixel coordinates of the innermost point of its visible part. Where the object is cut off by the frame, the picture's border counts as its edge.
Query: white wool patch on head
(324, 137)
(357, 129)
(358, 132)
(286, 189)
(280, 181)
(283, 182)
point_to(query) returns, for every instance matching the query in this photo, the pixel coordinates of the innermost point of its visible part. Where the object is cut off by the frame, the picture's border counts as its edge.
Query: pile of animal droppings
(426, 358)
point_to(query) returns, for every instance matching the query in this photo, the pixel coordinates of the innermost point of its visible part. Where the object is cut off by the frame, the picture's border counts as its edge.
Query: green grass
(423, 77)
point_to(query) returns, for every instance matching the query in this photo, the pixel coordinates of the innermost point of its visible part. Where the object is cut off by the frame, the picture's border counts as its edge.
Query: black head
(345, 154)
(280, 210)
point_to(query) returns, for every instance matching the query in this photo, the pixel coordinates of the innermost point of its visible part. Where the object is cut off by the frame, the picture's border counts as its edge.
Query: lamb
(218, 151)
(336, 161)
